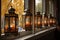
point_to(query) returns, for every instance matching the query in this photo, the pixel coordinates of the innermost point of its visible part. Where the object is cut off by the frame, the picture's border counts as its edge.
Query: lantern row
(40, 21)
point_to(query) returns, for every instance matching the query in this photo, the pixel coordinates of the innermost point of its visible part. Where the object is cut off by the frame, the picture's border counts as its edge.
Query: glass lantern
(54, 21)
(39, 20)
(28, 21)
(11, 21)
(51, 20)
(45, 20)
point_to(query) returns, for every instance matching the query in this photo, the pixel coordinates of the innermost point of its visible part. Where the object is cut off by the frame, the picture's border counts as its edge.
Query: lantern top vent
(38, 13)
(28, 13)
(11, 10)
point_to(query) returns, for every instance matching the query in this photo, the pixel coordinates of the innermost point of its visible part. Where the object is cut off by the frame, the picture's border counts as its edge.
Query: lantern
(11, 21)
(28, 21)
(54, 21)
(51, 20)
(45, 20)
(39, 20)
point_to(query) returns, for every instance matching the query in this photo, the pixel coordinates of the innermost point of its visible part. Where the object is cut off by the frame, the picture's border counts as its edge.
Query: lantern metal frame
(39, 19)
(28, 16)
(45, 20)
(8, 16)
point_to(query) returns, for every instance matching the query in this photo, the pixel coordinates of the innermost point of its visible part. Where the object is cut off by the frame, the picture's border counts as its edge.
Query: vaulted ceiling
(17, 4)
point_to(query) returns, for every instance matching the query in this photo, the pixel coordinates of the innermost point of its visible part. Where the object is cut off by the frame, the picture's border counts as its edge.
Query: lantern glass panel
(51, 22)
(45, 21)
(39, 21)
(35, 21)
(12, 23)
(54, 22)
(28, 20)
(6, 23)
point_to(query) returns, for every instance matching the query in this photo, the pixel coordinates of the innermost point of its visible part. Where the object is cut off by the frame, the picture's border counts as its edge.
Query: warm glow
(38, 23)
(35, 23)
(51, 21)
(45, 22)
(12, 25)
(6, 27)
(2, 31)
(27, 23)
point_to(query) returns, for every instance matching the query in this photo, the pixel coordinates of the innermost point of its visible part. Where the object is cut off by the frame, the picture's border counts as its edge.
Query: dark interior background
(58, 11)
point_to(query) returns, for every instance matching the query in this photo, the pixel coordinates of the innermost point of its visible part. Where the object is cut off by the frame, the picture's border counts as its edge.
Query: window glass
(38, 4)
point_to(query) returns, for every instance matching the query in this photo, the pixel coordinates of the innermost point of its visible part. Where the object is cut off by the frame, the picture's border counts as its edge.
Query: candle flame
(27, 23)
(50, 21)
(39, 23)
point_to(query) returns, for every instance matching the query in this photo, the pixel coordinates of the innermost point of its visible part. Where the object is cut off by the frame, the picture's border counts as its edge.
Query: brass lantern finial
(11, 10)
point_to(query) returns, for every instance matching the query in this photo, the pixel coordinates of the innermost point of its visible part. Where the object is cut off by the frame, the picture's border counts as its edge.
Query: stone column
(31, 6)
